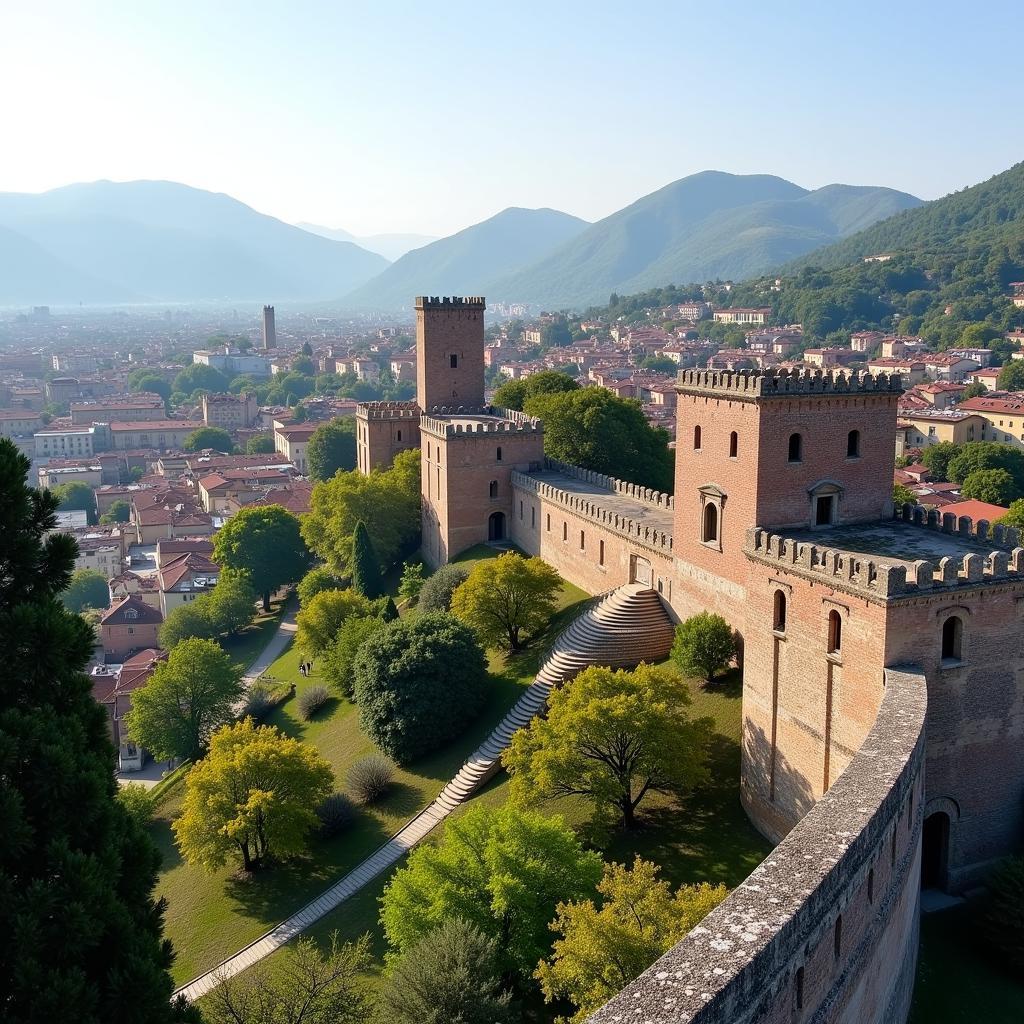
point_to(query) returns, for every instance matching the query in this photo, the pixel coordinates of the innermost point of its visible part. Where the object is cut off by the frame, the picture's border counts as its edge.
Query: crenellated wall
(826, 928)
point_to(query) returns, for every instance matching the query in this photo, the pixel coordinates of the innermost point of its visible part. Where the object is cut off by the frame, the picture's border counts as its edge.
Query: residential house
(112, 688)
(128, 627)
(184, 578)
(291, 441)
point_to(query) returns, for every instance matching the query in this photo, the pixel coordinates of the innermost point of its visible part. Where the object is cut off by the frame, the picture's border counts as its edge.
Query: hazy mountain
(986, 214)
(162, 241)
(390, 246)
(470, 261)
(708, 225)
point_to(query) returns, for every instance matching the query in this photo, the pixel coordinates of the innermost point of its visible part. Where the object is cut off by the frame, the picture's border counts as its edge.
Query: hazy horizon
(393, 122)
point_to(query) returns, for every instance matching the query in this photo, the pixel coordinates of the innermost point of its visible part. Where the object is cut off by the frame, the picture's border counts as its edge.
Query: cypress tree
(80, 933)
(366, 575)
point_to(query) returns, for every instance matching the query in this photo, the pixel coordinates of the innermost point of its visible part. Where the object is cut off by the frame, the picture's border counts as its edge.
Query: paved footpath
(608, 634)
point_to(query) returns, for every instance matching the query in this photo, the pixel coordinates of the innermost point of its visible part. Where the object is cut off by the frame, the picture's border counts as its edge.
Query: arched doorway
(935, 851)
(496, 526)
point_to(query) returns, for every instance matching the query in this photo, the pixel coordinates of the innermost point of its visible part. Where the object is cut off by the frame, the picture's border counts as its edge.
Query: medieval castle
(883, 679)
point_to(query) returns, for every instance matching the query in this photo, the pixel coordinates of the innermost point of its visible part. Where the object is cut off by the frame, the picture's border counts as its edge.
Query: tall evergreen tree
(366, 577)
(80, 933)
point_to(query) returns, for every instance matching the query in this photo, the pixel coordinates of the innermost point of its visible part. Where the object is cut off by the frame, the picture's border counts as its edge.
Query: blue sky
(429, 117)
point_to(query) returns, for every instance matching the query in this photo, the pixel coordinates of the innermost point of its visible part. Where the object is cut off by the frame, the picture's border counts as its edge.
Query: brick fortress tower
(269, 328)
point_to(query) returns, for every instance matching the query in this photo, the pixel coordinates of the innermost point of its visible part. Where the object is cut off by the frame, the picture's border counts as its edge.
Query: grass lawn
(957, 980)
(244, 648)
(211, 915)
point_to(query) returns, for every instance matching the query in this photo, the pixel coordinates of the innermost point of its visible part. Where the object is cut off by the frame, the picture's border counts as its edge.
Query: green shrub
(436, 593)
(313, 700)
(137, 801)
(370, 778)
(336, 662)
(704, 645)
(336, 814)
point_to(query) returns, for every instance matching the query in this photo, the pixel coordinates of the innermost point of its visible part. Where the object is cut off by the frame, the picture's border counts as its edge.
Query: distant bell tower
(450, 352)
(269, 328)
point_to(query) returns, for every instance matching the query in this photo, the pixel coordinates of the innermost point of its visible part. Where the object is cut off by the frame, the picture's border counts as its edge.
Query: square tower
(450, 352)
(269, 328)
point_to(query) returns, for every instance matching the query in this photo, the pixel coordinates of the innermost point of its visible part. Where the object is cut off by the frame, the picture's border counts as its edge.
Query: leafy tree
(412, 582)
(660, 364)
(514, 394)
(266, 543)
(138, 802)
(902, 494)
(613, 737)
(704, 645)
(937, 458)
(366, 575)
(231, 605)
(338, 658)
(332, 448)
(322, 617)
(200, 377)
(555, 334)
(506, 597)
(87, 589)
(318, 579)
(1014, 516)
(187, 621)
(994, 486)
(386, 500)
(600, 431)
(149, 382)
(988, 455)
(76, 871)
(259, 444)
(1011, 376)
(418, 684)
(209, 437)
(975, 390)
(118, 512)
(76, 496)
(187, 698)
(503, 870)
(255, 793)
(600, 951)
(436, 595)
(449, 976)
(307, 349)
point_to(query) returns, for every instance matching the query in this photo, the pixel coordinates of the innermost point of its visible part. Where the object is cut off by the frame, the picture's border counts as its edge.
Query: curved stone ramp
(625, 627)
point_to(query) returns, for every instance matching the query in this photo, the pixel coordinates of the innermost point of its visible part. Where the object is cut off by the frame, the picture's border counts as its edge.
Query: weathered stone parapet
(879, 580)
(610, 483)
(583, 506)
(439, 421)
(854, 855)
(774, 383)
(1007, 538)
(450, 301)
(388, 410)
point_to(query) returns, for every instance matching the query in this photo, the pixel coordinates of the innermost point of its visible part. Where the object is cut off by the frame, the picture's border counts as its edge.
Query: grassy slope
(210, 915)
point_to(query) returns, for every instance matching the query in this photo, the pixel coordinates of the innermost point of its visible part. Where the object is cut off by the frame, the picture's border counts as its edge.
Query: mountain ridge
(392, 245)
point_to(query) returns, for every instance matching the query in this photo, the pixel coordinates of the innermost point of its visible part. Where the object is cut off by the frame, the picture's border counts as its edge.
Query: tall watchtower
(269, 328)
(449, 352)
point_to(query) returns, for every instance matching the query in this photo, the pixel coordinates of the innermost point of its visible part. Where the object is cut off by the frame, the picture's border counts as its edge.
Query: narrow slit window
(734, 445)
(853, 444)
(796, 447)
(493, 488)
(453, 362)
(780, 612)
(835, 632)
(696, 439)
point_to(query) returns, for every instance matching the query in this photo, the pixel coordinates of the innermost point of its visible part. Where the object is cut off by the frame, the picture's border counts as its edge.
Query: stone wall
(826, 927)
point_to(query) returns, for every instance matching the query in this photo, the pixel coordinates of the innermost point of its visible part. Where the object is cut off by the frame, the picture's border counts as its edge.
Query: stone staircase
(625, 626)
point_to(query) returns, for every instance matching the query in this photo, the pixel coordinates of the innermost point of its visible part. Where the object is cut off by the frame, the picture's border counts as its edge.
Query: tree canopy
(418, 683)
(514, 394)
(994, 486)
(209, 437)
(704, 645)
(320, 618)
(331, 448)
(503, 870)
(87, 589)
(613, 737)
(506, 597)
(259, 444)
(77, 872)
(599, 431)
(200, 377)
(338, 659)
(386, 500)
(366, 570)
(266, 543)
(253, 795)
(118, 512)
(601, 950)
(187, 698)
(76, 496)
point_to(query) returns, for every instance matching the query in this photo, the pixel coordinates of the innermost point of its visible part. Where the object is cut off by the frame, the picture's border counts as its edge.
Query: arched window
(399, 435)
(453, 362)
(499, 453)
(709, 530)
(837, 938)
(565, 531)
(494, 488)
(734, 444)
(835, 632)
(952, 638)
(796, 448)
(780, 612)
(696, 438)
(853, 444)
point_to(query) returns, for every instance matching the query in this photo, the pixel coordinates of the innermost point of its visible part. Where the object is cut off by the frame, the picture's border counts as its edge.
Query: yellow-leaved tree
(601, 950)
(254, 794)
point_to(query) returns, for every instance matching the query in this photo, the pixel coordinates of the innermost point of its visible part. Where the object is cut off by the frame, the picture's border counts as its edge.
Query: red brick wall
(444, 331)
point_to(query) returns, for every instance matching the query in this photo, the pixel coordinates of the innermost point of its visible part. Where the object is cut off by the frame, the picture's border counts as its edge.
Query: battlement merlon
(879, 581)
(753, 385)
(461, 421)
(450, 302)
(388, 411)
